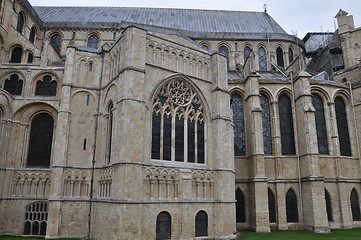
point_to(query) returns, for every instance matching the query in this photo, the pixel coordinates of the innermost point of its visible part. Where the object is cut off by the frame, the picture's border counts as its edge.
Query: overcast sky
(299, 16)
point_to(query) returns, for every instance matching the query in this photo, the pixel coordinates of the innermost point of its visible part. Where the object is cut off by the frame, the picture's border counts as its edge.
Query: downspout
(354, 120)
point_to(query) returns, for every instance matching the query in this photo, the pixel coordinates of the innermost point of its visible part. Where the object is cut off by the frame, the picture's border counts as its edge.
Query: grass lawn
(337, 234)
(30, 238)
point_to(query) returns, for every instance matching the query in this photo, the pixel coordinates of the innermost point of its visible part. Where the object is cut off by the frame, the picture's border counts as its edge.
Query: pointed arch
(237, 106)
(342, 127)
(223, 50)
(36, 219)
(93, 41)
(247, 52)
(240, 206)
(271, 206)
(355, 205)
(291, 206)
(286, 125)
(328, 206)
(320, 121)
(266, 125)
(32, 35)
(290, 55)
(262, 59)
(20, 22)
(279, 54)
(109, 136)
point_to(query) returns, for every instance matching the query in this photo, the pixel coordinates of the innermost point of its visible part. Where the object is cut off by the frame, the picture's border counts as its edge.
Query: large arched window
(93, 41)
(328, 206)
(290, 55)
(286, 125)
(14, 85)
(262, 59)
(40, 141)
(342, 127)
(178, 124)
(320, 125)
(247, 53)
(20, 23)
(36, 219)
(46, 87)
(201, 224)
(55, 41)
(266, 124)
(291, 207)
(16, 55)
(238, 123)
(271, 206)
(32, 35)
(280, 60)
(164, 226)
(109, 133)
(355, 206)
(225, 52)
(240, 207)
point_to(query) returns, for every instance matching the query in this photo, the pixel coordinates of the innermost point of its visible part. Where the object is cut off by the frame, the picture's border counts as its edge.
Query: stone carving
(105, 182)
(203, 184)
(76, 184)
(161, 183)
(31, 184)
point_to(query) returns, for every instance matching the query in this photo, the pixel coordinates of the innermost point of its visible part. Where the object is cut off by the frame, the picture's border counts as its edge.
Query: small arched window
(109, 132)
(36, 219)
(271, 206)
(286, 125)
(266, 124)
(328, 206)
(237, 107)
(320, 125)
(16, 55)
(164, 226)
(93, 41)
(20, 23)
(30, 58)
(55, 41)
(355, 206)
(32, 35)
(14, 85)
(262, 59)
(46, 87)
(290, 55)
(291, 207)
(247, 52)
(342, 127)
(40, 141)
(201, 224)
(280, 61)
(240, 207)
(223, 50)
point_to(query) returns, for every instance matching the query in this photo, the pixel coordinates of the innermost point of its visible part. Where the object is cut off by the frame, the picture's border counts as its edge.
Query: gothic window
(247, 52)
(55, 41)
(93, 41)
(328, 206)
(32, 35)
(36, 219)
(271, 206)
(355, 206)
(20, 23)
(320, 125)
(286, 125)
(290, 55)
(14, 85)
(201, 224)
(291, 207)
(30, 58)
(164, 226)
(46, 87)
(223, 50)
(178, 125)
(109, 132)
(40, 141)
(342, 127)
(280, 61)
(266, 124)
(238, 123)
(262, 59)
(240, 207)
(16, 55)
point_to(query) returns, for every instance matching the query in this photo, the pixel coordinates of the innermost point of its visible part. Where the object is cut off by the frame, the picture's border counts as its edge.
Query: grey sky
(301, 16)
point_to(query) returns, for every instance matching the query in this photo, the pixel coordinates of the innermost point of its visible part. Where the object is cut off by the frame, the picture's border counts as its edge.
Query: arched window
(247, 52)
(30, 58)
(32, 35)
(320, 125)
(280, 61)
(262, 59)
(20, 24)
(225, 52)
(291, 207)
(201, 224)
(238, 123)
(14, 85)
(55, 41)
(286, 125)
(271, 206)
(164, 226)
(109, 132)
(240, 207)
(16, 55)
(355, 206)
(40, 141)
(93, 41)
(36, 219)
(342, 127)
(178, 118)
(290, 55)
(328, 206)
(46, 87)
(266, 124)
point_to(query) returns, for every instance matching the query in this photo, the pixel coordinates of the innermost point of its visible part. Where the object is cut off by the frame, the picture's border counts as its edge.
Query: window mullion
(161, 134)
(173, 136)
(185, 138)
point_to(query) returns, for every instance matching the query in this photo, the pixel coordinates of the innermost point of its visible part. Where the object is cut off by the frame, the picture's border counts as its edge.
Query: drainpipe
(354, 120)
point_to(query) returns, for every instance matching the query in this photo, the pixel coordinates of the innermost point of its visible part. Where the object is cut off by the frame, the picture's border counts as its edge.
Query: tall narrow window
(280, 61)
(40, 141)
(46, 87)
(320, 125)
(247, 53)
(16, 55)
(36, 219)
(178, 124)
(290, 55)
(55, 41)
(262, 59)
(14, 85)
(240, 207)
(32, 35)
(271, 206)
(238, 123)
(30, 58)
(291, 207)
(286, 125)
(342, 127)
(93, 41)
(109, 132)
(223, 50)
(355, 206)
(20, 23)
(164, 226)
(266, 124)
(201, 224)
(328, 206)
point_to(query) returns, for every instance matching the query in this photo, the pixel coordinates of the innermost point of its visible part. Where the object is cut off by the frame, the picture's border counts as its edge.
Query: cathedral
(145, 123)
